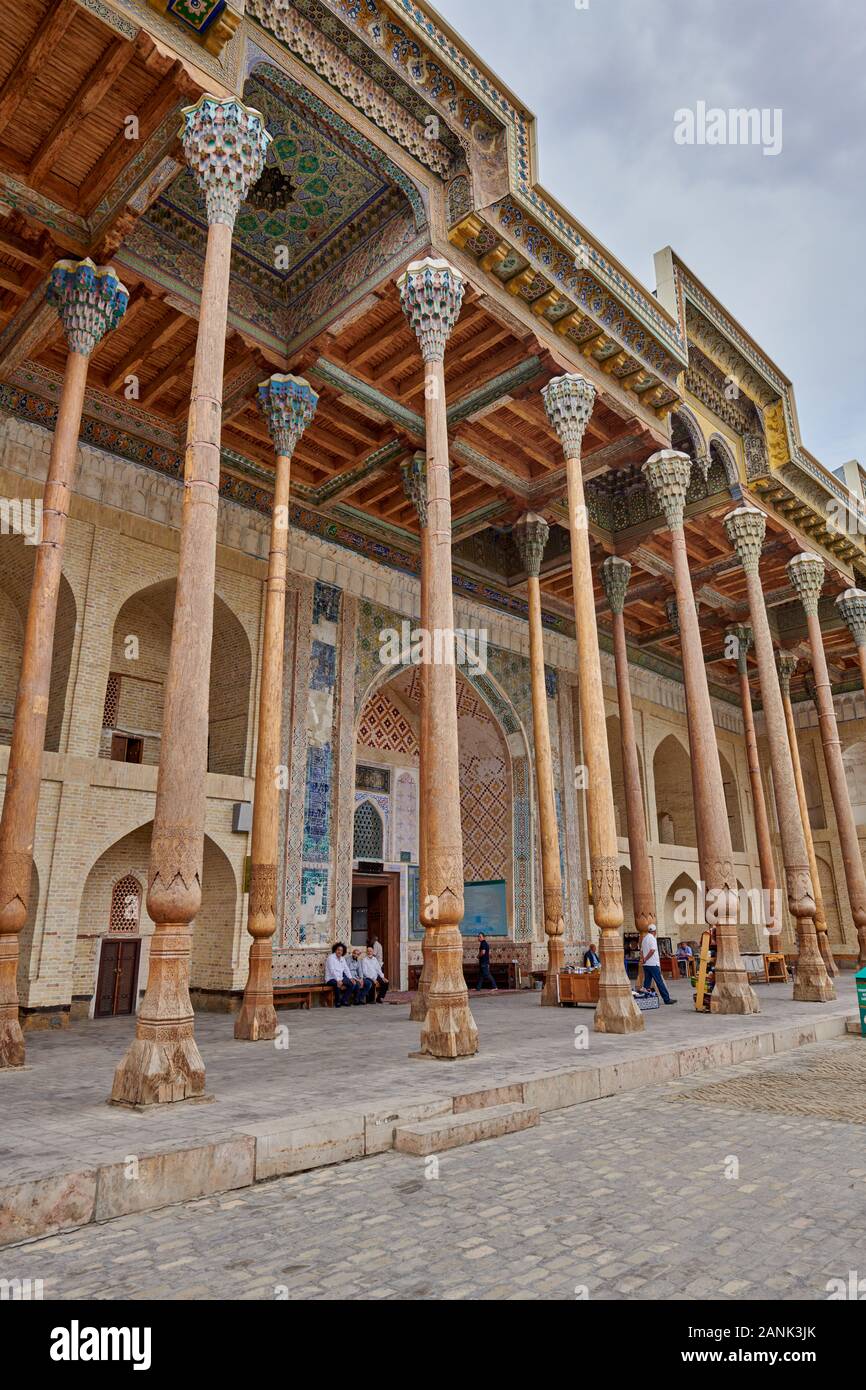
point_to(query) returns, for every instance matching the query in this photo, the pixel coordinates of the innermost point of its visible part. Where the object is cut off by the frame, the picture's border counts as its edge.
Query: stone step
(854, 1027)
(450, 1131)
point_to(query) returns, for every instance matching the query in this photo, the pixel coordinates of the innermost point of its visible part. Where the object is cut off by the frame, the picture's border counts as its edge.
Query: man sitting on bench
(338, 976)
(375, 980)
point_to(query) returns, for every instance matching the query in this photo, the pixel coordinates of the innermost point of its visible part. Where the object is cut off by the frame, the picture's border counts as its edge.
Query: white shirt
(650, 949)
(377, 951)
(371, 968)
(336, 968)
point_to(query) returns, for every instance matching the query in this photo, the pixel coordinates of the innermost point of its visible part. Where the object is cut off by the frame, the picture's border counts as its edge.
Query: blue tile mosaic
(317, 803)
(326, 603)
(323, 665)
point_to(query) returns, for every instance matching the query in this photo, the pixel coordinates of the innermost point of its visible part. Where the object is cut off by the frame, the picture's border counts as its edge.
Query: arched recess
(732, 804)
(812, 785)
(617, 775)
(672, 775)
(627, 899)
(854, 762)
(368, 840)
(104, 911)
(134, 700)
(515, 751)
(680, 910)
(17, 561)
(720, 453)
(687, 436)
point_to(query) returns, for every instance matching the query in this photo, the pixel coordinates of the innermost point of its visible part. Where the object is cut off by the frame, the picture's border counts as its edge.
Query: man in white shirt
(377, 948)
(374, 978)
(652, 970)
(338, 976)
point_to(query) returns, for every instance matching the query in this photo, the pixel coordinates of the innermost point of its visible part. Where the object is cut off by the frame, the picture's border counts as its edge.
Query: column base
(256, 1023)
(555, 961)
(157, 1071)
(813, 985)
(449, 1029)
(734, 995)
(616, 1011)
(418, 1007)
(11, 1044)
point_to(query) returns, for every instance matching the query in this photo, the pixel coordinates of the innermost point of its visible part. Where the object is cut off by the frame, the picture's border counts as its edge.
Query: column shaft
(817, 893)
(418, 1009)
(449, 1028)
(643, 894)
(846, 826)
(24, 775)
(551, 873)
(257, 1018)
(759, 803)
(617, 1011)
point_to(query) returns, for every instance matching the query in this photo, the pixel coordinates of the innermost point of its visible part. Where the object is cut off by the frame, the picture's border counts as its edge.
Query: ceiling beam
(95, 87)
(47, 37)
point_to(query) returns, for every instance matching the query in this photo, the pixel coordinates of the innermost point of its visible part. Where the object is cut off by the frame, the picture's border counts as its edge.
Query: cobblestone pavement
(55, 1116)
(627, 1198)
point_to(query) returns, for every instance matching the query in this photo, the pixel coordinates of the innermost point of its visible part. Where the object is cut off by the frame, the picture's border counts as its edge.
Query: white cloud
(777, 240)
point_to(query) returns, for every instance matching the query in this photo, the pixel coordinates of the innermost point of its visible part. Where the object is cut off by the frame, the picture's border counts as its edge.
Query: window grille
(369, 832)
(125, 905)
(112, 702)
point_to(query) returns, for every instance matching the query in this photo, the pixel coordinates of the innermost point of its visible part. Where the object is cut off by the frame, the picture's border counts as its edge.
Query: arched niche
(672, 776)
(17, 560)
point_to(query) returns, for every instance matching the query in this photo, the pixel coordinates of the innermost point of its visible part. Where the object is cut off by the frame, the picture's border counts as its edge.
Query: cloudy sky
(779, 240)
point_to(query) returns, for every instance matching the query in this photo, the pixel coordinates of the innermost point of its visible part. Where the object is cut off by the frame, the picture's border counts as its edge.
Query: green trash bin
(860, 977)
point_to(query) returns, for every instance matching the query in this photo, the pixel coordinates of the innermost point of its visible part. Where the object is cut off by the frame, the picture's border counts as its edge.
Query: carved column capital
(746, 528)
(673, 614)
(90, 300)
(668, 474)
(786, 665)
(288, 404)
(806, 573)
(852, 608)
(615, 574)
(225, 144)
(431, 295)
(530, 535)
(569, 400)
(811, 685)
(742, 635)
(413, 474)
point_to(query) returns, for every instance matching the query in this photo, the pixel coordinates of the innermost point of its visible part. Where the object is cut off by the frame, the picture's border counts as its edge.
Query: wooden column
(746, 527)
(530, 536)
(414, 476)
(615, 574)
(431, 293)
(786, 665)
(91, 301)
(668, 474)
(225, 144)
(288, 404)
(806, 572)
(741, 634)
(569, 400)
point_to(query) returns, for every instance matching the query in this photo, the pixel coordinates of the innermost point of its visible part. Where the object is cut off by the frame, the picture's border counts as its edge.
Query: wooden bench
(505, 973)
(302, 992)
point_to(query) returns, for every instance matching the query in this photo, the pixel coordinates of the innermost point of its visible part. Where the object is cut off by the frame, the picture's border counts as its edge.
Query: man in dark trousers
(485, 978)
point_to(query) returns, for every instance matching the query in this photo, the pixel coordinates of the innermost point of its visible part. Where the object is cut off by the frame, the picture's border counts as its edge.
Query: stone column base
(11, 1043)
(449, 1029)
(555, 962)
(812, 985)
(616, 1011)
(157, 1071)
(732, 994)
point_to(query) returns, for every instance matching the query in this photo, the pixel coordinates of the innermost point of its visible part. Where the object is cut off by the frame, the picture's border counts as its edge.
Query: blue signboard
(486, 908)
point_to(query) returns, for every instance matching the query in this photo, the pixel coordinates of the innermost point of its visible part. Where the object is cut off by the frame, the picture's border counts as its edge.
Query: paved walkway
(672, 1197)
(55, 1116)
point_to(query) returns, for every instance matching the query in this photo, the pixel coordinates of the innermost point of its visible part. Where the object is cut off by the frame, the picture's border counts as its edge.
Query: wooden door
(377, 922)
(118, 974)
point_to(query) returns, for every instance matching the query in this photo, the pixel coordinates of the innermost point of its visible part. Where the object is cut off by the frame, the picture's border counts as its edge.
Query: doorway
(118, 977)
(376, 912)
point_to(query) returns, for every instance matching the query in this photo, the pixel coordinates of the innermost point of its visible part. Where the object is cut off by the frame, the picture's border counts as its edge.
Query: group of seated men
(355, 979)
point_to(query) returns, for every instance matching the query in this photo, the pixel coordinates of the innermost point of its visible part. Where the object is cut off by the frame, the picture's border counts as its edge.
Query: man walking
(652, 966)
(485, 975)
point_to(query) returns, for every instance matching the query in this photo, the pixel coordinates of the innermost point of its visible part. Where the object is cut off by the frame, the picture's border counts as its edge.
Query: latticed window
(112, 702)
(369, 832)
(125, 905)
